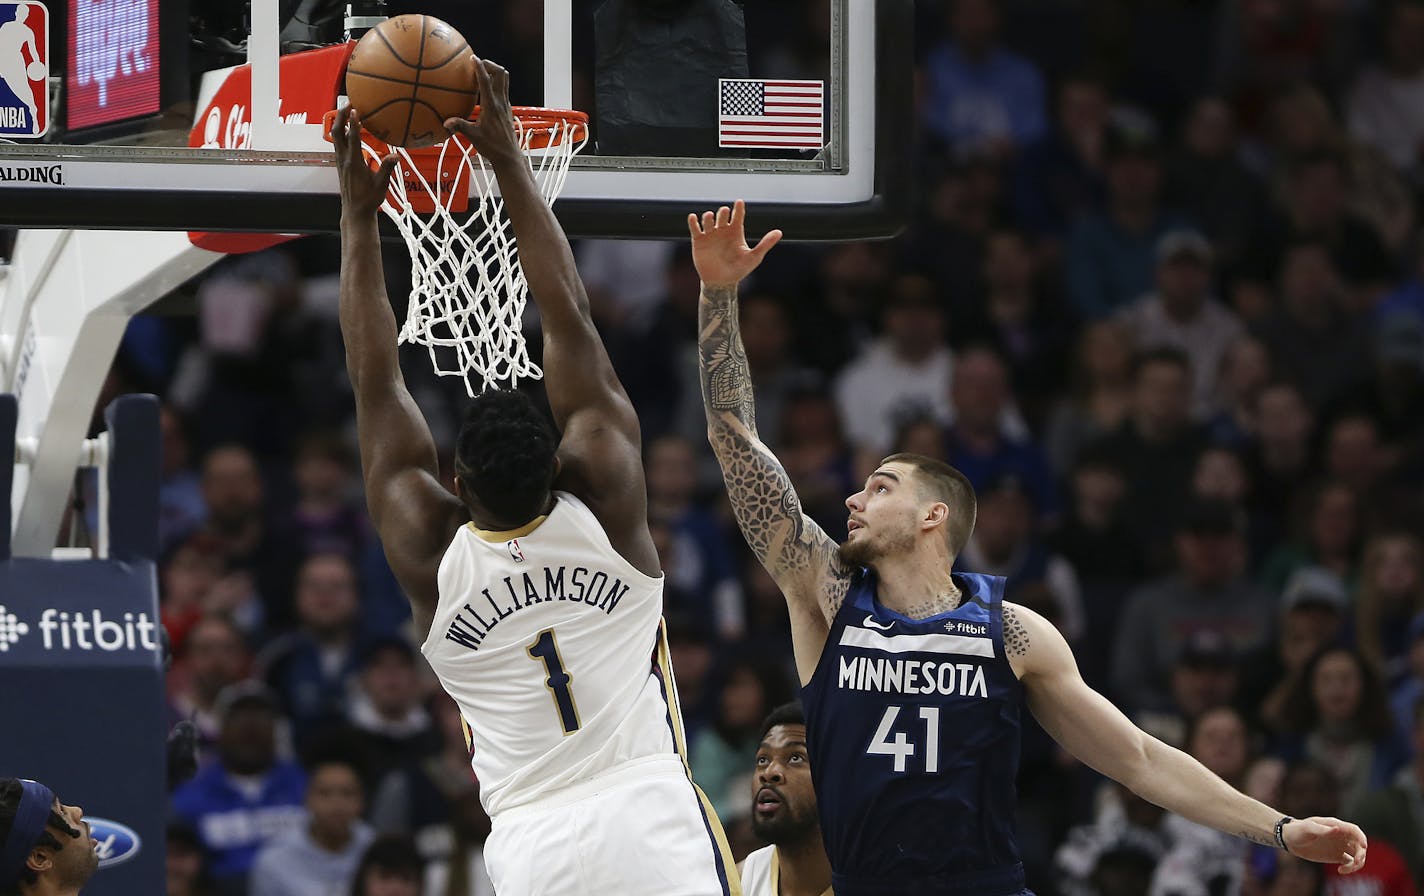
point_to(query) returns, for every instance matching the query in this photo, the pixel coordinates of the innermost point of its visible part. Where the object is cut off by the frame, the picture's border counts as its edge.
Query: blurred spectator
(1304, 125)
(418, 797)
(1100, 392)
(312, 668)
(963, 204)
(249, 796)
(690, 649)
(1386, 103)
(1390, 595)
(980, 97)
(1407, 692)
(321, 855)
(1314, 609)
(388, 726)
(902, 374)
(1005, 542)
(1028, 329)
(1392, 393)
(185, 867)
(1110, 252)
(1204, 860)
(1219, 473)
(1329, 536)
(188, 576)
(1208, 181)
(180, 492)
(702, 569)
(624, 279)
(1245, 372)
(1126, 839)
(462, 872)
(1270, 872)
(1407, 296)
(1204, 677)
(391, 866)
(1280, 457)
(1395, 814)
(263, 561)
(211, 658)
(1338, 715)
(1310, 789)
(1355, 453)
(1314, 342)
(817, 456)
(1182, 314)
(977, 444)
(326, 519)
(1157, 446)
(1061, 175)
(723, 751)
(1206, 593)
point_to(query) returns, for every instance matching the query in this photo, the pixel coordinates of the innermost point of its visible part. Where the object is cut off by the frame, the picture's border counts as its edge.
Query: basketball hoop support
(65, 301)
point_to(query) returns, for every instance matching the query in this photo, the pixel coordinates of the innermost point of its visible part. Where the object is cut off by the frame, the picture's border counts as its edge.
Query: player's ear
(40, 860)
(936, 515)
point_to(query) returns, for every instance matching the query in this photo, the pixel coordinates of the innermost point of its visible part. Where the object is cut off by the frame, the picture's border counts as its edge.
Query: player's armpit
(415, 518)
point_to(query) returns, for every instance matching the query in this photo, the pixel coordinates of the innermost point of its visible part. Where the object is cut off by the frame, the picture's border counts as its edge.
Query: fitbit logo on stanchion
(89, 630)
(11, 629)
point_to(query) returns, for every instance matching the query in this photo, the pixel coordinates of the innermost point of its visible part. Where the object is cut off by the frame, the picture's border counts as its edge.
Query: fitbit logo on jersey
(89, 630)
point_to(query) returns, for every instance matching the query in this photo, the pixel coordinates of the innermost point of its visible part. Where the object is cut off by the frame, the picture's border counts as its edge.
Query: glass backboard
(149, 116)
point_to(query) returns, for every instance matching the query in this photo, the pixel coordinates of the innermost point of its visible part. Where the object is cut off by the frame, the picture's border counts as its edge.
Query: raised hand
(493, 134)
(362, 190)
(719, 246)
(1327, 840)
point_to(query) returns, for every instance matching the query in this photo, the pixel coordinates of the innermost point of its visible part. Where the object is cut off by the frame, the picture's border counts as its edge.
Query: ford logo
(117, 842)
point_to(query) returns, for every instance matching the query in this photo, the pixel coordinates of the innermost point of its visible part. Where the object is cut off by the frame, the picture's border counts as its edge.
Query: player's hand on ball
(719, 245)
(1327, 840)
(362, 190)
(493, 134)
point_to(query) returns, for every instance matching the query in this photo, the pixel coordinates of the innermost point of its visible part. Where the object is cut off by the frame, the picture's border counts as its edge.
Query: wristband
(1281, 831)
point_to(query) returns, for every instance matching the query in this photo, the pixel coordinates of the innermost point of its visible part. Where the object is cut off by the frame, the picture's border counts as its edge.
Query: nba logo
(24, 69)
(514, 550)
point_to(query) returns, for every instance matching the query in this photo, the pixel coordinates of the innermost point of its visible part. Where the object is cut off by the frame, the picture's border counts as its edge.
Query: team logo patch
(514, 550)
(24, 69)
(117, 843)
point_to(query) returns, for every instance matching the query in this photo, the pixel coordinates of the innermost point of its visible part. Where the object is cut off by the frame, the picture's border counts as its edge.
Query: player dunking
(539, 584)
(912, 678)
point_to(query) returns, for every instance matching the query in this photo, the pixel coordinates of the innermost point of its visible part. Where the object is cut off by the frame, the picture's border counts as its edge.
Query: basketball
(407, 75)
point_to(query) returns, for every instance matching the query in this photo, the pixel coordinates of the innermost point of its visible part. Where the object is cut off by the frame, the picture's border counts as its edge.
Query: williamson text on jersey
(24, 69)
(503, 599)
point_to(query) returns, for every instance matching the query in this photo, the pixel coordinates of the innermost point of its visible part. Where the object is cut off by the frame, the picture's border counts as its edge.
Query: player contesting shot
(539, 584)
(913, 678)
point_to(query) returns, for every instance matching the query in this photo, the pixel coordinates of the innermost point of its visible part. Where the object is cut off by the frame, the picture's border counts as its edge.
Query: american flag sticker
(758, 114)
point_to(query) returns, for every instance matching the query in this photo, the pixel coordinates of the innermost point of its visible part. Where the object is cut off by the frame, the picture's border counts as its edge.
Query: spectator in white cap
(1182, 313)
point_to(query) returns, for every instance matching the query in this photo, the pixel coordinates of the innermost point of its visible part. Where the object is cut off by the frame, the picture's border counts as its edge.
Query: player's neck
(804, 868)
(918, 585)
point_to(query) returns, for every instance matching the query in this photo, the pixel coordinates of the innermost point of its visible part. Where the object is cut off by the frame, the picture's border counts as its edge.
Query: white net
(467, 291)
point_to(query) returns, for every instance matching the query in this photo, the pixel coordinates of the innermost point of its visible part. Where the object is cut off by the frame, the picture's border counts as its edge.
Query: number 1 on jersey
(900, 749)
(557, 681)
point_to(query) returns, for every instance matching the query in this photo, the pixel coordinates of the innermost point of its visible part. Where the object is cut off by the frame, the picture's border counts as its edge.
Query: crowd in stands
(1161, 300)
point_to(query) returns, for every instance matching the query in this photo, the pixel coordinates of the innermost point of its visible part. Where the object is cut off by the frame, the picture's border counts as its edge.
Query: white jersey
(759, 873)
(549, 642)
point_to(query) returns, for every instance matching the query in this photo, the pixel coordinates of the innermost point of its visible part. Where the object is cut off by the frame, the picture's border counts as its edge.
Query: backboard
(151, 126)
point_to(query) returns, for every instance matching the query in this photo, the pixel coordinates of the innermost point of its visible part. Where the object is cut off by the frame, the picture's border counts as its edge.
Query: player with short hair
(536, 587)
(913, 676)
(37, 857)
(784, 814)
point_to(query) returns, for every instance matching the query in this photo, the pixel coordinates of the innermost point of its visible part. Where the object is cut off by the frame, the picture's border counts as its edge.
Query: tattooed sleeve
(800, 556)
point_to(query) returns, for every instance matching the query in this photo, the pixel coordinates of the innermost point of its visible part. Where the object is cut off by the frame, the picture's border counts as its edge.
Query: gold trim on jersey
(663, 657)
(776, 875)
(498, 535)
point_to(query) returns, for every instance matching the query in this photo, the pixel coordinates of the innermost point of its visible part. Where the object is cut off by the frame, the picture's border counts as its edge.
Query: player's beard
(788, 827)
(865, 551)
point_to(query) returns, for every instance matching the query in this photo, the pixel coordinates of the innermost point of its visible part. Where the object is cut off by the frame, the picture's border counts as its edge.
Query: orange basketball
(407, 75)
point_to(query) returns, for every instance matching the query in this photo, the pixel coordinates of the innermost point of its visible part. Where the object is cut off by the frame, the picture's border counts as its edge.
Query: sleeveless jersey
(545, 637)
(913, 735)
(761, 873)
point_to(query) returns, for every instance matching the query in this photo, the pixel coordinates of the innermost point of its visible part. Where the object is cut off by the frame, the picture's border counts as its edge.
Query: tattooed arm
(1099, 735)
(800, 556)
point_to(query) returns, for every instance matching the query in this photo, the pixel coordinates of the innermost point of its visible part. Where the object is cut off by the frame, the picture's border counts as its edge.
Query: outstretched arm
(800, 556)
(414, 515)
(600, 453)
(1098, 734)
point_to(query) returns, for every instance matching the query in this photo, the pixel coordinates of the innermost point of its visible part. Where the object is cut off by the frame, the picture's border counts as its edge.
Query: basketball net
(468, 291)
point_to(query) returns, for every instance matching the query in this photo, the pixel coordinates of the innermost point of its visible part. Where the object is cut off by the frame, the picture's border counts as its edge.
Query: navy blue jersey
(913, 733)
